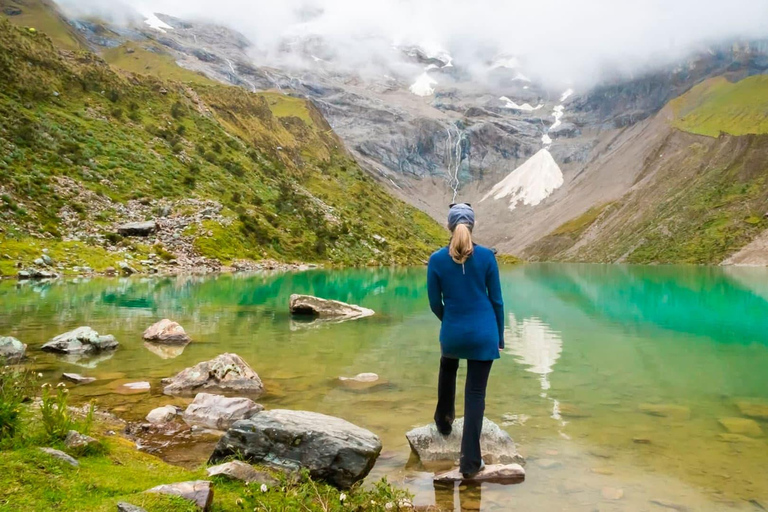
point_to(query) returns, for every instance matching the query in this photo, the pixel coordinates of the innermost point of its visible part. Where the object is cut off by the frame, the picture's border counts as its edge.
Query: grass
(42, 16)
(566, 235)
(150, 59)
(718, 106)
(75, 134)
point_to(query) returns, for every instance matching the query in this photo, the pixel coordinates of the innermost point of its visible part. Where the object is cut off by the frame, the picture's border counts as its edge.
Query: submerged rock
(162, 414)
(677, 412)
(137, 228)
(332, 449)
(361, 382)
(130, 388)
(612, 493)
(11, 349)
(496, 445)
(742, 426)
(238, 470)
(166, 331)
(75, 439)
(82, 340)
(225, 374)
(77, 378)
(58, 454)
(307, 305)
(219, 412)
(494, 473)
(199, 492)
(753, 409)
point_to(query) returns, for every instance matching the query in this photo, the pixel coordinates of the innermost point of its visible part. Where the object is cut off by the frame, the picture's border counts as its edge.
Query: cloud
(556, 42)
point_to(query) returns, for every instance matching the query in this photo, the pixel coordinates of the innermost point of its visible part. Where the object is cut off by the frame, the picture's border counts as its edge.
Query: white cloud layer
(558, 41)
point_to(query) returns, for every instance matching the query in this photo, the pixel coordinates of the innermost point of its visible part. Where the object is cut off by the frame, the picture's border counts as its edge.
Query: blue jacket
(467, 300)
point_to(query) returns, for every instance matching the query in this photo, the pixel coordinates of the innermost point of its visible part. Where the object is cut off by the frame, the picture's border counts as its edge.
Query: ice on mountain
(530, 183)
(568, 92)
(423, 86)
(156, 23)
(526, 107)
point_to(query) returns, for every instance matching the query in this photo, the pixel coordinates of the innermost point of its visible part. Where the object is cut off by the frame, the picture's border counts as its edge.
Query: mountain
(225, 174)
(548, 170)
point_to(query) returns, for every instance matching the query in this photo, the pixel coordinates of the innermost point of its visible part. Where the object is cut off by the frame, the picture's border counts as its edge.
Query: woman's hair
(461, 247)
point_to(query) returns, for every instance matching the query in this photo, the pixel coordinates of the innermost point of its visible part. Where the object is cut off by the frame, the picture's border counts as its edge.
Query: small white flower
(39, 375)
(61, 385)
(389, 506)
(264, 487)
(342, 497)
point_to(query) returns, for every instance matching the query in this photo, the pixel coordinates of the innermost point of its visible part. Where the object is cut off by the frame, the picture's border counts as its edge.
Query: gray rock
(39, 262)
(199, 492)
(58, 454)
(75, 439)
(332, 449)
(361, 381)
(77, 378)
(166, 331)
(137, 228)
(219, 412)
(306, 305)
(162, 414)
(496, 445)
(670, 505)
(82, 340)
(11, 349)
(47, 260)
(494, 473)
(127, 507)
(24, 274)
(226, 374)
(237, 470)
(125, 268)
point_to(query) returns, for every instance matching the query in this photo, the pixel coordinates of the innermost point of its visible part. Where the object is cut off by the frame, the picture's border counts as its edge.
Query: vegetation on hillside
(80, 138)
(718, 106)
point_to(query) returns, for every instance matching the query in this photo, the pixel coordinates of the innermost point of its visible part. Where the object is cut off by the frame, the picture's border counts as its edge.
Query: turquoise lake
(614, 381)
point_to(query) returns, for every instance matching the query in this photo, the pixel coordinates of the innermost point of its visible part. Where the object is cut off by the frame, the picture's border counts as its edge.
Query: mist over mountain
(558, 43)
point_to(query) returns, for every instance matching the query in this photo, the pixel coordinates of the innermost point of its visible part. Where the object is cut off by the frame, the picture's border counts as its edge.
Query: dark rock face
(82, 340)
(199, 492)
(137, 228)
(332, 449)
(226, 374)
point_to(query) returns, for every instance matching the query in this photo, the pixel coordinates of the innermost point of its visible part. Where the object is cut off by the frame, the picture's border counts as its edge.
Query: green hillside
(84, 147)
(718, 106)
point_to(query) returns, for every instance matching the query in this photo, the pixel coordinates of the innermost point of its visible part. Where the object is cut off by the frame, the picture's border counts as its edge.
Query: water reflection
(535, 345)
(458, 497)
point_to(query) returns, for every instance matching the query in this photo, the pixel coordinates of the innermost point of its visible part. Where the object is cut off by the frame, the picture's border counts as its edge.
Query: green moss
(566, 235)
(71, 254)
(718, 106)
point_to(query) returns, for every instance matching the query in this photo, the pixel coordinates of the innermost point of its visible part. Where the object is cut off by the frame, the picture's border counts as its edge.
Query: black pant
(474, 407)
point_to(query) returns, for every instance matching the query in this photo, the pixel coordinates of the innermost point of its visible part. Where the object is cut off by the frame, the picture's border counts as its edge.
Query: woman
(465, 294)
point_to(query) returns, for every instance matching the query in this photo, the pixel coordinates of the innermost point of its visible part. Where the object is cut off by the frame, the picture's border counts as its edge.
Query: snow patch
(156, 23)
(505, 62)
(526, 107)
(423, 86)
(566, 95)
(546, 139)
(557, 114)
(530, 183)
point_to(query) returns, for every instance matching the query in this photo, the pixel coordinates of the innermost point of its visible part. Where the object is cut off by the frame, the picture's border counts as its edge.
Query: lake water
(618, 375)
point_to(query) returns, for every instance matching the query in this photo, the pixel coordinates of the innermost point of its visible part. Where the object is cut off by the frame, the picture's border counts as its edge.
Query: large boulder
(82, 340)
(332, 449)
(166, 331)
(219, 412)
(199, 492)
(11, 349)
(137, 228)
(225, 374)
(495, 444)
(306, 305)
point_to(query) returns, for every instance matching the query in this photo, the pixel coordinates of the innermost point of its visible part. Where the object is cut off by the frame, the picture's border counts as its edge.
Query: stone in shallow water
(238, 470)
(493, 473)
(670, 505)
(735, 438)
(741, 426)
(82, 340)
(612, 493)
(548, 463)
(11, 349)
(225, 374)
(58, 454)
(496, 445)
(677, 412)
(753, 409)
(199, 492)
(332, 449)
(219, 412)
(130, 388)
(361, 382)
(166, 331)
(77, 378)
(306, 305)
(162, 414)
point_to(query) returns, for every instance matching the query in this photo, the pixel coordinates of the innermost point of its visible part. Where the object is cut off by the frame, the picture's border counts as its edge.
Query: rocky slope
(223, 173)
(528, 158)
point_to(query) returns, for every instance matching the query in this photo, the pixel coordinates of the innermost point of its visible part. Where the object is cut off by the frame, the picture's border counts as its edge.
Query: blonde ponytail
(461, 247)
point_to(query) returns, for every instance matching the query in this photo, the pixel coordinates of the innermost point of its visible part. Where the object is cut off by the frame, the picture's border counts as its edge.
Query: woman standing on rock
(465, 294)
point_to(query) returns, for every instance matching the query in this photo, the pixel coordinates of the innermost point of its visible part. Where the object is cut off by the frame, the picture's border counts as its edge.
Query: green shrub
(56, 416)
(17, 385)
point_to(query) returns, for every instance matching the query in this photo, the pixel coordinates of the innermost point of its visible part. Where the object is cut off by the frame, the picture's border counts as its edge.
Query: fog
(555, 42)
